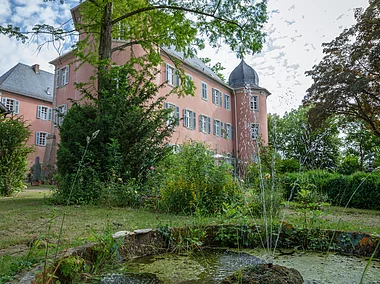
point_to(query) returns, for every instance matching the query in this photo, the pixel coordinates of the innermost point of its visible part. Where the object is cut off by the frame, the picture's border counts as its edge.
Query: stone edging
(154, 241)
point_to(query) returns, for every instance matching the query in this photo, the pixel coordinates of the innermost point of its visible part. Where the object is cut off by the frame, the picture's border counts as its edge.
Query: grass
(339, 218)
(26, 218)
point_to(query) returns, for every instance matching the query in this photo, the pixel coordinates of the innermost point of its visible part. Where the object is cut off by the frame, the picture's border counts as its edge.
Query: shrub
(261, 191)
(288, 166)
(349, 165)
(359, 190)
(13, 154)
(134, 130)
(194, 182)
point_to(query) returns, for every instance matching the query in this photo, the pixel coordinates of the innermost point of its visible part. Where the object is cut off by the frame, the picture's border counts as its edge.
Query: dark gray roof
(194, 62)
(243, 75)
(22, 80)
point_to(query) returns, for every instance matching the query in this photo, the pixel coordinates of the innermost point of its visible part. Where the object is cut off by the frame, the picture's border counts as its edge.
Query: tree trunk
(105, 47)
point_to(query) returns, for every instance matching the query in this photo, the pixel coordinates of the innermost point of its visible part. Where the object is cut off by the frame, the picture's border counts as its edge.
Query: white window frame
(62, 77)
(204, 124)
(218, 126)
(217, 97)
(172, 76)
(255, 131)
(229, 129)
(44, 112)
(254, 102)
(227, 102)
(189, 119)
(11, 104)
(41, 138)
(174, 113)
(59, 114)
(204, 91)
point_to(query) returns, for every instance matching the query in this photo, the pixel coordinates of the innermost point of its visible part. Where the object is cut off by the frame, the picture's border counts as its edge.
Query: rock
(265, 274)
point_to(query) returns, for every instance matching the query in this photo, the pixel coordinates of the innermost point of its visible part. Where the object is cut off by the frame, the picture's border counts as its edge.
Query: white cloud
(5, 8)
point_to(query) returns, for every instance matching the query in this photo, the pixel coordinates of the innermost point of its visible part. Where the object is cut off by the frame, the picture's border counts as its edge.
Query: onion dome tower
(250, 112)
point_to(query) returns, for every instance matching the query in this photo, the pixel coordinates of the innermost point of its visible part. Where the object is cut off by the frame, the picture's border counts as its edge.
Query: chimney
(36, 68)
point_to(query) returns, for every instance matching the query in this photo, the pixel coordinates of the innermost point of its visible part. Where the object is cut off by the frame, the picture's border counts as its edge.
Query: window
(254, 103)
(217, 97)
(11, 104)
(62, 76)
(218, 126)
(59, 114)
(41, 138)
(44, 112)
(189, 119)
(204, 91)
(174, 114)
(227, 102)
(254, 131)
(229, 129)
(172, 76)
(120, 31)
(204, 124)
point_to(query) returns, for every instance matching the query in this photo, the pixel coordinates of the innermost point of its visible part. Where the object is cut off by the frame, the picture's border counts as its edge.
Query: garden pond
(213, 265)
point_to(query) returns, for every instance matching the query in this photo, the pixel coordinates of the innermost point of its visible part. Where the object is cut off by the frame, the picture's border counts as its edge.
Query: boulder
(265, 274)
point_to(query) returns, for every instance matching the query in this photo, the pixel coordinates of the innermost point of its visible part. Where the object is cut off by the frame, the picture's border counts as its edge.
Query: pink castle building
(27, 91)
(231, 118)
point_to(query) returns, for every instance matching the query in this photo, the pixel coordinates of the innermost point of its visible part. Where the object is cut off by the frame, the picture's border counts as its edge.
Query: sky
(295, 32)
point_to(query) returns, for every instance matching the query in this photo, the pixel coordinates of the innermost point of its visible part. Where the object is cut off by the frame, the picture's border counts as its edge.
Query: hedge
(360, 190)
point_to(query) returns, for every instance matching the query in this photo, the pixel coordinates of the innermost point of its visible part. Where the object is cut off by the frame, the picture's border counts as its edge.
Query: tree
(133, 134)
(13, 154)
(359, 142)
(217, 68)
(182, 24)
(347, 80)
(293, 138)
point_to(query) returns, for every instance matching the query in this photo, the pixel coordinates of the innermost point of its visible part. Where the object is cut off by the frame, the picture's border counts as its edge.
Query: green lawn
(26, 217)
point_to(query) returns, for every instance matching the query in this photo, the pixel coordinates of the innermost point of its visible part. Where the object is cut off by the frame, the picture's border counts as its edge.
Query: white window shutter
(49, 113)
(184, 117)
(208, 125)
(221, 127)
(66, 75)
(215, 126)
(165, 105)
(213, 95)
(58, 78)
(167, 72)
(3, 101)
(220, 99)
(39, 111)
(37, 138)
(16, 107)
(194, 120)
(177, 114)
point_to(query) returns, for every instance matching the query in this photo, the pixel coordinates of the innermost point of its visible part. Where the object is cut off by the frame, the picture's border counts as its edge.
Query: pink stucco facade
(236, 117)
(28, 109)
